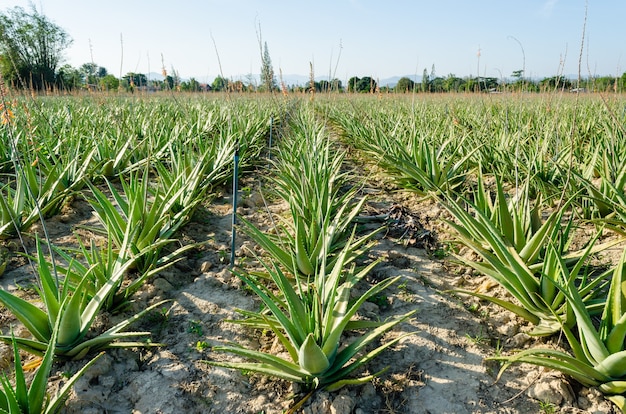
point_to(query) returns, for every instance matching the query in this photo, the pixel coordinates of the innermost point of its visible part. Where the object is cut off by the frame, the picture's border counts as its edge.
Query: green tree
(425, 85)
(194, 85)
(135, 80)
(362, 85)
(555, 83)
(621, 84)
(437, 84)
(518, 75)
(89, 71)
(365, 85)
(487, 83)
(471, 84)
(315, 86)
(604, 84)
(336, 85)
(452, 83)
(237, 86)
(352, 82)
(404, 85)
(109, 83)
(92, 73)
(268, 80)
(69, 78)
(31, 48)
(219, 84)
(169, 83)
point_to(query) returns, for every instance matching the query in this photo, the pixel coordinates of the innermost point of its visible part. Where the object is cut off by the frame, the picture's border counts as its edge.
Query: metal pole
(269, 150)
(235, 191)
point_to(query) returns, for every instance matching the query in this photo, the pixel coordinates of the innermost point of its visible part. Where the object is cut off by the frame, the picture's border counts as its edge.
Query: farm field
(392, 253)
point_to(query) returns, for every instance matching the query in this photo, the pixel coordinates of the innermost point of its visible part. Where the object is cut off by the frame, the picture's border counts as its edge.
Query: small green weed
(223, 255)
(195, 327)
(478, 339)
(439, 253)
(472, 307)
(547, 407)
(380, 299)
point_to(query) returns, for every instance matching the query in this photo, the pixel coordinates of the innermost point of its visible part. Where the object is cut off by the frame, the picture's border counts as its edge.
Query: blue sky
(343, 38)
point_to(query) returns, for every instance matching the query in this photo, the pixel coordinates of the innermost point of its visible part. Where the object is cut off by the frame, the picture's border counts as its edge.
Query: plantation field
(396, 254)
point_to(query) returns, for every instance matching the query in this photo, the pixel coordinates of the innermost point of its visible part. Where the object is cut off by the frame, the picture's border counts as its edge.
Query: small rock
(501, 318)
(211, 280)
(518, 340)
(246, 250)
(398, 259)
(553, 390)
(368, 391)
(205, 266)
(370, 310)
(368, 400)
(342, 404)
(21, 332)
(253, 200)
(592, 401)
(100, 367)
(508, 329)
(88, 387)
(320, 405)
(225, 275)
(162, 286)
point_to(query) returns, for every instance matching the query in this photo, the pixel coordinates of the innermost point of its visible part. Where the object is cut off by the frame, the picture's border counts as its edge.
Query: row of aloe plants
(61, 145)
(144, 167)
(564, 163)
(311, 267)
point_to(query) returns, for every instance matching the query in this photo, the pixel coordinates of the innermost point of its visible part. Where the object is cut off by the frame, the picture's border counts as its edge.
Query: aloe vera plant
(101, 264)
(14, 214)
(605, 202)
(16, 397)
(32, 191)
(517, 219)
(309, 321)
(142, 220)
(309, 313)
(598, 353)
(113, 156)
(416, 159)
(323, 204)
(526, 267)
(604, 180)
(426, 168)
(74, 308)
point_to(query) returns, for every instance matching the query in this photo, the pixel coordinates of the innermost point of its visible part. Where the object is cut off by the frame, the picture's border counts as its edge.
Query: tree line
(31, 49)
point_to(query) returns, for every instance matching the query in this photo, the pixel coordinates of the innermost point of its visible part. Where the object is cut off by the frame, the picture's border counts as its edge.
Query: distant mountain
(389, 82)
(154, 76)
(297, 80)
(395, 79)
